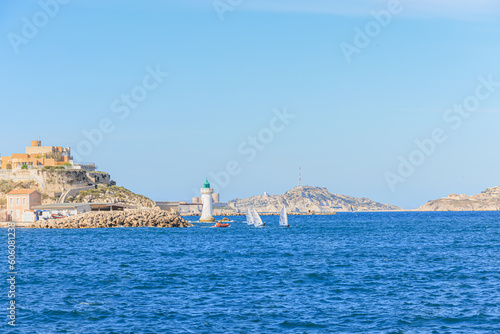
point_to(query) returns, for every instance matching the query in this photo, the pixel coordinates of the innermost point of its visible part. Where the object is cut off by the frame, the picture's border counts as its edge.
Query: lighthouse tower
(206, 199)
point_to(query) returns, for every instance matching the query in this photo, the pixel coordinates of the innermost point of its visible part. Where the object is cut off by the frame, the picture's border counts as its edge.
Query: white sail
(256, 219)
(250, 220)
(283, 217)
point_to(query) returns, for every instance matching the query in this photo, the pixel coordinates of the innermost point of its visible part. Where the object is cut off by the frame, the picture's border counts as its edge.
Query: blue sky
(226, 79)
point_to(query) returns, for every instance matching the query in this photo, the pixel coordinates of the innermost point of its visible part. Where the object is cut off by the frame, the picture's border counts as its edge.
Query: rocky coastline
(488, 200)
(132, 218)
(309, 200)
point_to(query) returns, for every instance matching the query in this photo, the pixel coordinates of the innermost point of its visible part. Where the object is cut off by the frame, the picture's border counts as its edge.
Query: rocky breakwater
(133, 218)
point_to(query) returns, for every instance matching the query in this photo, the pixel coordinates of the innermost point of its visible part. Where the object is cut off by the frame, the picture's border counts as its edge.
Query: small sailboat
(256, 219)
(284, 218)
(250, 220)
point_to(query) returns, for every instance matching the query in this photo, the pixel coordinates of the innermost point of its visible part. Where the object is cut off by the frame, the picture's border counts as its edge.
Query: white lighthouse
(206, 199)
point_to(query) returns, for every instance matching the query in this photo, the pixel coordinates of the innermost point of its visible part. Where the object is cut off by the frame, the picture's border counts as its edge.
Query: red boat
(221, 225)
(58, 216)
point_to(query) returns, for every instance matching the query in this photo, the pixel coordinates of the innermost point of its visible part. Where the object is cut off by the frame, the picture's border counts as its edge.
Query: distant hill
(488, 200)
(112, 194)
(309, 199)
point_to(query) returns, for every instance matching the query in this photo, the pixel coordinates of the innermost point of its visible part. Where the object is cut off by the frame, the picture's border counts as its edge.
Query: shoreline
(52, 223)
(97, 219)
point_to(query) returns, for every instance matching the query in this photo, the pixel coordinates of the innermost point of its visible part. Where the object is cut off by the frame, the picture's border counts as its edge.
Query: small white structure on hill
(206, 198)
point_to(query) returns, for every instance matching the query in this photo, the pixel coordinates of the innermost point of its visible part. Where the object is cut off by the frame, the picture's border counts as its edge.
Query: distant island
(309, 199)
(488, 200)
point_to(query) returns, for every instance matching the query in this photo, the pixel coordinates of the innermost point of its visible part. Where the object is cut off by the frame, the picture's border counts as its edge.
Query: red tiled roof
(21, 191)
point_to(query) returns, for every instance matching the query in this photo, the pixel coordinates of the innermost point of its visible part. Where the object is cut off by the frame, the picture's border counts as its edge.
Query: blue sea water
(350, 273)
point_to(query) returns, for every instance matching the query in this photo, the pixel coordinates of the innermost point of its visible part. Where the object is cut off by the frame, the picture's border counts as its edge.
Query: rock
(134, 218)
(488, 200)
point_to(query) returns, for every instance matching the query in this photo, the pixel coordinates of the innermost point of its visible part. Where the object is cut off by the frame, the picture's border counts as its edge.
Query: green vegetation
(24, 167)
(111, 194)
(66, 164)
(47, 198)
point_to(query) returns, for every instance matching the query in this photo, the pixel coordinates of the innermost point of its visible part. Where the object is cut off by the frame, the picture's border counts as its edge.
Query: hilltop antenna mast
(300, 176)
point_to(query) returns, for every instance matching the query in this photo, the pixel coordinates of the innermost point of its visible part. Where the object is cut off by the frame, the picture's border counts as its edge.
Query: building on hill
(38, 156)
(36, 148)
(21, 200)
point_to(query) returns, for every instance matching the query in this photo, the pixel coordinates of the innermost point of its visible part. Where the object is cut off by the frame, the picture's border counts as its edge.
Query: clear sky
(361, 92)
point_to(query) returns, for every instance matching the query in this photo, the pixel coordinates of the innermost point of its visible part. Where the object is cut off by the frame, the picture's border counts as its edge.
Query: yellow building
(37, 156)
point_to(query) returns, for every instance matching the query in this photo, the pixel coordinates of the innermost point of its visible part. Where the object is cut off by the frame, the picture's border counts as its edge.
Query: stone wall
(99, 178)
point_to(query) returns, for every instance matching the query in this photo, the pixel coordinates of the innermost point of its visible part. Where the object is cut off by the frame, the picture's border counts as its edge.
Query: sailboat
(250, 220)
(284, 218)
(257, 221)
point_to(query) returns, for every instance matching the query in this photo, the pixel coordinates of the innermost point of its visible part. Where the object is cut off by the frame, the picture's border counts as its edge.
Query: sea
(406, 272)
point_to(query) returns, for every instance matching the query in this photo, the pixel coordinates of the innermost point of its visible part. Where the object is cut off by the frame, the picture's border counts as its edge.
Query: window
(11, 201)
(17, 201)
(24, 200)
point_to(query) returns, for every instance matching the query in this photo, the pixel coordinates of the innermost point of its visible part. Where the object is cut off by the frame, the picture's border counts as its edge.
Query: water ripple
(351, 273)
